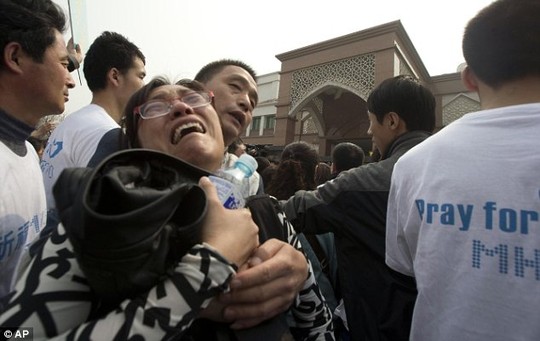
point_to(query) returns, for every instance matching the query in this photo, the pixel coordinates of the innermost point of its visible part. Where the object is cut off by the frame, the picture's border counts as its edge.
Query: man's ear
(13, 56)
(113, 76)
(393, 120)
(469, 79)
(395, 123)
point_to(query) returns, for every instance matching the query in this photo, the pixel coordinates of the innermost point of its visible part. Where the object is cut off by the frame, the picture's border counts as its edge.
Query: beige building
(320, 94)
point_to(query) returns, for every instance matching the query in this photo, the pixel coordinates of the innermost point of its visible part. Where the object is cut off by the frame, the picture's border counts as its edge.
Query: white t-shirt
(73, 143)
(463, 219)
(23, 210)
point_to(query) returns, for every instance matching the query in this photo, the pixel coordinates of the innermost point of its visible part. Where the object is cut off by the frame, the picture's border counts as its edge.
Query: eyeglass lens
(162, 107)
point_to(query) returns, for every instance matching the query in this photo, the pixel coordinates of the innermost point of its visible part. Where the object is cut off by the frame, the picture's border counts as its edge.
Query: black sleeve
(109, 143)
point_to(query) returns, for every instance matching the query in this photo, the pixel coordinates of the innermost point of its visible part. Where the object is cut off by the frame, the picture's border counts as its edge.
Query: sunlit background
(178, 37)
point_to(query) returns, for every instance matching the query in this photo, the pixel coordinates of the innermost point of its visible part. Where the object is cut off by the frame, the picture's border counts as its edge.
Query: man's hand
(268, 287)
(44, 131)
(75, 50)
(75, 55)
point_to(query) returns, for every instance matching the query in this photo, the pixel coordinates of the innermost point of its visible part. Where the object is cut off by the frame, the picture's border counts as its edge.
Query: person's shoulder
(88, 112)
(72, 120)
(81, 111)
(415, 156)
(408, 140)
(231, 157)
(361, 178)
(406, 145)
(87, 121)
(11, 160)
(94, 113)
(107, 145)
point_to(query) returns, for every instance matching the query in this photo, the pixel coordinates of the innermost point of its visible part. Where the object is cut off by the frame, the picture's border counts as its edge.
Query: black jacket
(378, 301)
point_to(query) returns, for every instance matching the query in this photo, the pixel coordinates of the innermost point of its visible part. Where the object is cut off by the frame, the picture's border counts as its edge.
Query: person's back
(344, 156)
(464, 209)
(114, 70)
(34, 82)
(378, 301)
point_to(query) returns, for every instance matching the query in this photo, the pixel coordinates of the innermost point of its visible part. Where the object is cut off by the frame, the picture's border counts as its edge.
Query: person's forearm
(166, 310)
(312, 315)
(169, 308)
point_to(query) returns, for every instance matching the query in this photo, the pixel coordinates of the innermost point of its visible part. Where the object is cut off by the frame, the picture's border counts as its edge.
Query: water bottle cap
(247, 163)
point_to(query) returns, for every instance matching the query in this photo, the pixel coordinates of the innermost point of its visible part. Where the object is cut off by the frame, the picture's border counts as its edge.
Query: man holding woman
(67, 304)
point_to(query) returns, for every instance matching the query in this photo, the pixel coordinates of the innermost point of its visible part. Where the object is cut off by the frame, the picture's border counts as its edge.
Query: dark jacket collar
(13, 133)
(404, 138)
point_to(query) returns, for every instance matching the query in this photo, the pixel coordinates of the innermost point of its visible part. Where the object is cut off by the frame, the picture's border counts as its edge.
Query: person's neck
(523, 91)
(15, 103)
(109, 104)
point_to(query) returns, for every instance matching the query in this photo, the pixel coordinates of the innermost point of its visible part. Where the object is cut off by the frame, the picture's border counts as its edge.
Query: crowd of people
(114, 231)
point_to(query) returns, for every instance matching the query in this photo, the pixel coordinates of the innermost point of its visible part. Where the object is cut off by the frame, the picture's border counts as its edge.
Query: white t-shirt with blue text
(23, 210)
(463, 219)
(73, 143)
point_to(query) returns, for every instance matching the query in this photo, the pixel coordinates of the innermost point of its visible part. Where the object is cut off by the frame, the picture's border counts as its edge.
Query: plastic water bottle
(233, 184)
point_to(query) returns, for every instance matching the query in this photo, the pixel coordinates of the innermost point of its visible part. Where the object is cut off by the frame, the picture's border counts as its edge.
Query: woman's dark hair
(323, 173)
(295, 171)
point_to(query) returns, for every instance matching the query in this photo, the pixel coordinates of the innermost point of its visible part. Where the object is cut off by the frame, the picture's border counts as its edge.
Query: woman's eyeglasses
(159, 107)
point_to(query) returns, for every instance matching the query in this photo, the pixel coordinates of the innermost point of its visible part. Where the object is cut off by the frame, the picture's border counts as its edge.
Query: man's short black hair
(408, 98)
(32, 24)
(502, 42)
(208, 71)
(109, 50)
(347, 155)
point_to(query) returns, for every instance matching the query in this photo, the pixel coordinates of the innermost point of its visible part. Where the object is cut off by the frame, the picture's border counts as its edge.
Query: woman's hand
(233, 233)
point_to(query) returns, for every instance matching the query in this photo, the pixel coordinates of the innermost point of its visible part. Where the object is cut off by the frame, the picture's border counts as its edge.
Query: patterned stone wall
(354, 73)
(404, 69)
(457, 107)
